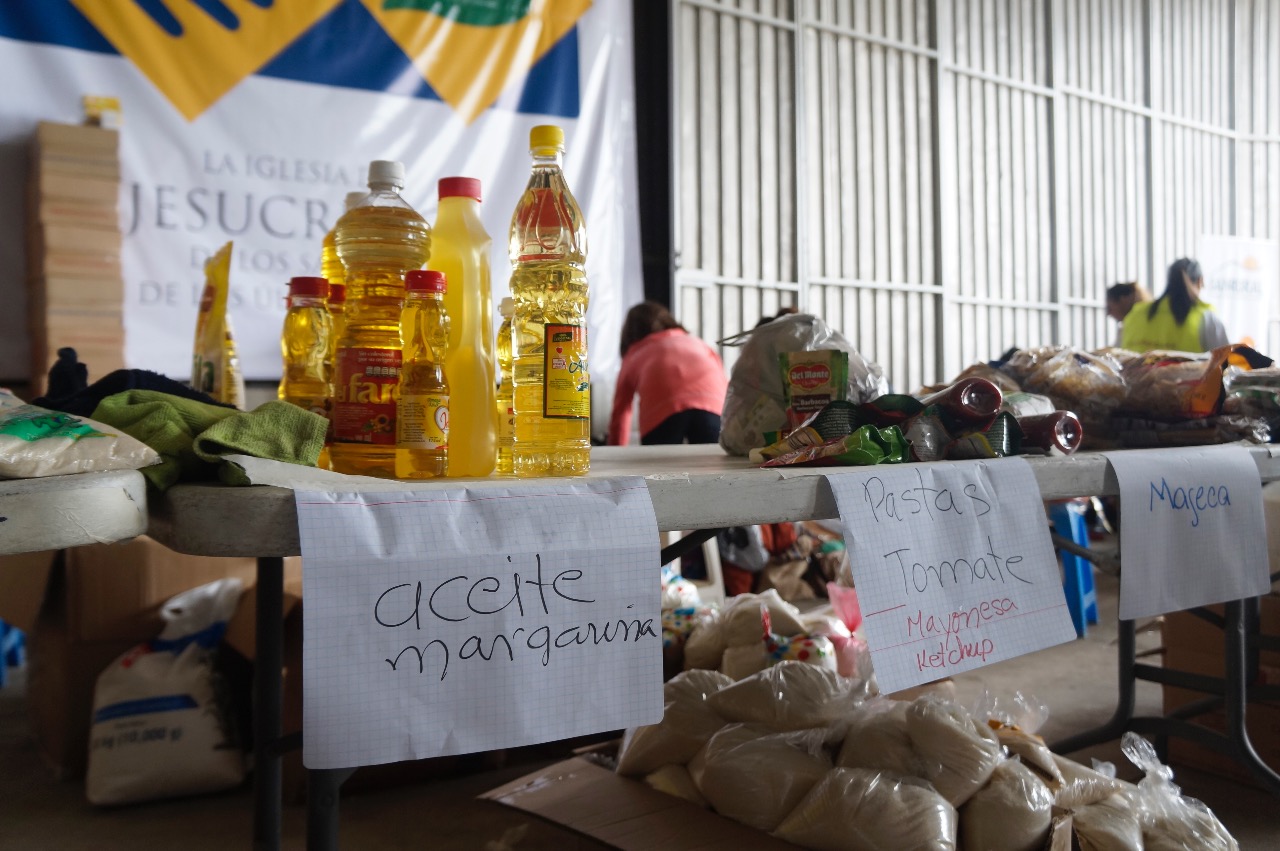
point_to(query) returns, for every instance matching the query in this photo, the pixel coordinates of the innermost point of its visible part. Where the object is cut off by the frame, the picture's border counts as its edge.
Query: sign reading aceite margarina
(953, 564)
(1193, 531)
(456, 620)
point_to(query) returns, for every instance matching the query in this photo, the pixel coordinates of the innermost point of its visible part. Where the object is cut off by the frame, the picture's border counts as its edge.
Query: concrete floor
(1075, 680)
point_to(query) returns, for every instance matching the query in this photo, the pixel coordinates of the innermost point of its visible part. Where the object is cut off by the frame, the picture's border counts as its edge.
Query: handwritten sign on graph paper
(953, 565)
(448, 621)
(1191, 529)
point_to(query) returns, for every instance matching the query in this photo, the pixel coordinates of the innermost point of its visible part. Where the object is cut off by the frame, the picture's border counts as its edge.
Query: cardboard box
(622, 813)
(1194, 646)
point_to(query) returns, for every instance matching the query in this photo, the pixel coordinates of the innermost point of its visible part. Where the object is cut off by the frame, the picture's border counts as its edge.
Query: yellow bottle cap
(546, 136)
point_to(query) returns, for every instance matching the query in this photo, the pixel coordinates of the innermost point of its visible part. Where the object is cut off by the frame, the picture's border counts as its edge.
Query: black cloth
(67, 376)
(693, 425)
(83, 402)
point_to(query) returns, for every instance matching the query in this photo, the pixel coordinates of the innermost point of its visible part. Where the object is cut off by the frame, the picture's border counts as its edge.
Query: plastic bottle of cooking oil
(337, 304)
(506, 416)
(304, 343)
(548, 249)
(330, 265)
(460, 249)
(422, 418)
(378, 242)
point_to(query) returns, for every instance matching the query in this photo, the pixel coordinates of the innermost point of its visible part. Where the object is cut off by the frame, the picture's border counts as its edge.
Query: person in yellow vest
(1178, 320)
(1121, 299)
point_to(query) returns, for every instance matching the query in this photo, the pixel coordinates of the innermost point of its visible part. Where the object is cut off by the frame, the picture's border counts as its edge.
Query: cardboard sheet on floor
(626, 814)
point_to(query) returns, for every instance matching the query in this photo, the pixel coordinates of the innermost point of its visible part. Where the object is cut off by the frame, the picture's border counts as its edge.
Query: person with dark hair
(1120, 301)
(679, 378)
(1178, 320)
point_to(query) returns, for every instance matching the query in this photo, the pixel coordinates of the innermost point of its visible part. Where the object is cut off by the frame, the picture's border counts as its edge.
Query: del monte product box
(811, 380)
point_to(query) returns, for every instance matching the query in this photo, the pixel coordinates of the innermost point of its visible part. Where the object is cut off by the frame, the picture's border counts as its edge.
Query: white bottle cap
(354, 199)
(386, 172)
(507, 308)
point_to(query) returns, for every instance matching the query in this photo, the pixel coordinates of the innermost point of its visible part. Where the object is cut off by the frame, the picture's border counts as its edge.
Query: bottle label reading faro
(365, 390)
(423, 422)
(567, 388)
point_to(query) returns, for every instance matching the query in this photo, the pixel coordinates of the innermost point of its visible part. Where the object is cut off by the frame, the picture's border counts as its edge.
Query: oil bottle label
(423, 422)
(567, 388)
(365, 391)
(506, 423)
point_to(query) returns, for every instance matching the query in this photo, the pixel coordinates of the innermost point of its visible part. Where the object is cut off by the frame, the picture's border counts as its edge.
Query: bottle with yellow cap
(548, 247)
(378, 242)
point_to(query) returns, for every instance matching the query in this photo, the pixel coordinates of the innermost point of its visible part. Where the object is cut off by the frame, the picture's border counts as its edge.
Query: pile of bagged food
(800, 394)
(810, 756)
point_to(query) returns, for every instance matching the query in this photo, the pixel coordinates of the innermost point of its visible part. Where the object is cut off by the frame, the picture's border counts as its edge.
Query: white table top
(692, 487)
(68, 511)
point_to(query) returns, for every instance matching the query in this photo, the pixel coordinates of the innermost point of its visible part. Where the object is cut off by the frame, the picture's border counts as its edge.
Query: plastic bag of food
(1170, 821)
(742, 624)
(688, 721)
(675, 780)
(1082, 786)
(1178, 385)
(853, 809)
(811, 380)
(755, 403)
(787, 696)
(705, 646)
(1012, 812)
(37, 442)
(963, 751)
(1251, 391)
(1108, 825)
(876, 739)
(162, 726)
(757, 777)
(1089, 385)
(1021, 363)
(215, 367)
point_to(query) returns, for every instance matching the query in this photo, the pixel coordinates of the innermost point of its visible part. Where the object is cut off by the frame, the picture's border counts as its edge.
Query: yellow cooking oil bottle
(304, 346)
(460, 249)
(506, 415)
(548, 248)
(330, 264)
(378, 242)
(422, 415)
(337, 305)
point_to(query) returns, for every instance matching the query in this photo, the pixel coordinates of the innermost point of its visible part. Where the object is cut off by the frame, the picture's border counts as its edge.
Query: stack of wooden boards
(75, 288)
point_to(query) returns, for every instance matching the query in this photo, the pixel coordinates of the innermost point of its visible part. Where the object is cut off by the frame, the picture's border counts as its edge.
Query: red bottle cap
(425, 281)
(460, 187)
(337, 293)
(306, 286)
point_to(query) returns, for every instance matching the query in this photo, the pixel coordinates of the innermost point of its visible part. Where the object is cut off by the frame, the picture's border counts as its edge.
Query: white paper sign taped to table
(1191, 529)
(455, 620)
(953, 565)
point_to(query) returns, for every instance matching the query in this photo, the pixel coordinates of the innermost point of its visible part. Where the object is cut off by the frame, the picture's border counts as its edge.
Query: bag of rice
(675, 780)
(1012, 812)
(1032, 750)
(687, 723)
(1109, 825)
(738, 663)
(852, 809)
(962, 752)
(788, 696)
(1082, 786)
(37, 442)
(877, 739)
(1170, 821)
(742, 622)
(757, 777)
(705, 646)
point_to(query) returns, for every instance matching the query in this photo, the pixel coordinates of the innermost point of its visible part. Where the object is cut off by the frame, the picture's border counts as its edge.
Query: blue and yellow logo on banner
(195, 51)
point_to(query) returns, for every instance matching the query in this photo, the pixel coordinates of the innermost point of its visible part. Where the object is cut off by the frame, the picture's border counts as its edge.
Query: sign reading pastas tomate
(953, 565)
(1193, 531)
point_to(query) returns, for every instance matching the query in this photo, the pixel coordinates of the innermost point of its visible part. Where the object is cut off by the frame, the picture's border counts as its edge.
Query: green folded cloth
(192, 437)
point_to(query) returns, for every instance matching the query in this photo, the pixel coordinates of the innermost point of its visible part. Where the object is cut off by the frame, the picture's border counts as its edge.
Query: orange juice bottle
(506, 416)
(548, 248)
(422, 414)
(378, 242)
(460, 249)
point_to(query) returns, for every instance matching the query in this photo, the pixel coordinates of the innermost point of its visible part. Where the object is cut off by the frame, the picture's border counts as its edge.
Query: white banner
(255, 134)
(1241, 279)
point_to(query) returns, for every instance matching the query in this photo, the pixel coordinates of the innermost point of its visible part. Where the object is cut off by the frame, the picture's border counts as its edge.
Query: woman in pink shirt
(680, 380)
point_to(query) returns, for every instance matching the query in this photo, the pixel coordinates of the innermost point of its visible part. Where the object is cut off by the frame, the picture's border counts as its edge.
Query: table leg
(323, 789)
(1239, 670)
(1120, 721)
(268, 671)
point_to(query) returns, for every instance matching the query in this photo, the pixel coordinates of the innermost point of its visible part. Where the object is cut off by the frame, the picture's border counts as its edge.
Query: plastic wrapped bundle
(788, 696)
(1169, 821)
(687, 723)
(1109, 825)
(1089, 385)
(1012, 812)
(1082, 786)
(755, 403)
(675, 780)
(36, 442)
(705, 645)
(853, 809)
(876, 738)
(1033, 752)
(962, 752)
(742, 622)
(757, 777)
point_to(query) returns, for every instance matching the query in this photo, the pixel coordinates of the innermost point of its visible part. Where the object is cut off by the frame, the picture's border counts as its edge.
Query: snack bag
(215, 367)
(811, 381)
